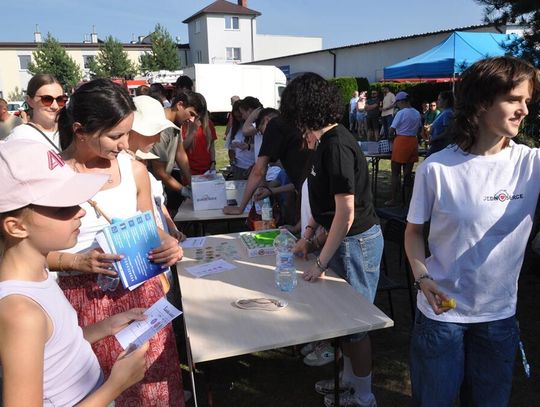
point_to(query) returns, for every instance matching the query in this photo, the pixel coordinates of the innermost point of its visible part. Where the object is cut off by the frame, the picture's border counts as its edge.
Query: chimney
(37, 35)
(93, 36)
(242, 3)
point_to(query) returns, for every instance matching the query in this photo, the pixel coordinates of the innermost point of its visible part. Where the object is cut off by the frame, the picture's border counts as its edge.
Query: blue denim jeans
(357, 260)
(387, 122)
(473, 361)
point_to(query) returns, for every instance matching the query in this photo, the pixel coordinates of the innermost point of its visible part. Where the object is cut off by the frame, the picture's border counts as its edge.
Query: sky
(338, 22)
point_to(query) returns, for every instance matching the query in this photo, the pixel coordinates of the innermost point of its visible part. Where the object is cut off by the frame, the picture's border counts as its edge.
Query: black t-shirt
(339, 167)
(373, 112)
(284, 142)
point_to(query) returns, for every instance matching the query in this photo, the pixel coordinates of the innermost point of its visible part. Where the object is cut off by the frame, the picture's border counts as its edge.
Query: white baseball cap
(33, 173)
(150, 117)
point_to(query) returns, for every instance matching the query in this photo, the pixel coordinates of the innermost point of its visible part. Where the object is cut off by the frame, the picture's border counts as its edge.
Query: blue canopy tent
(450, 57)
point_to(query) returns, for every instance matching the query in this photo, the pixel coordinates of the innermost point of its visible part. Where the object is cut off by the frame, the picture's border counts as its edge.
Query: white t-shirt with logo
(481, 210)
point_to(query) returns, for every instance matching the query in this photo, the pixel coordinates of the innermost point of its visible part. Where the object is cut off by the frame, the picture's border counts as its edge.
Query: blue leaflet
(134, 237)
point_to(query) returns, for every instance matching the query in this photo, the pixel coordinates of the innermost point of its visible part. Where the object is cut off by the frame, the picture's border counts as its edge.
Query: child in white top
(46, 358)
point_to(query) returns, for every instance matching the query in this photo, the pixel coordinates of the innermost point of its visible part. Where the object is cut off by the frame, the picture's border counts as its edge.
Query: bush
(418, 92)
(346, 85)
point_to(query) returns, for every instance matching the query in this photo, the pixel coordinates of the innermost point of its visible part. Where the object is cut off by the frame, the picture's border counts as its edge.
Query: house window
(24, 60)
(197, 27)
(232, 23)
(199, 56)
(87, 60)
(233, 54)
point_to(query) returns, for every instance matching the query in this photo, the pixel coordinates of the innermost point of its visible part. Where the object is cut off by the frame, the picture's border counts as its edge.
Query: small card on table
(213, 267)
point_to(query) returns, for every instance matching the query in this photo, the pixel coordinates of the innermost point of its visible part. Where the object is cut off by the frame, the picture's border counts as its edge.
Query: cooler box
(208, 192)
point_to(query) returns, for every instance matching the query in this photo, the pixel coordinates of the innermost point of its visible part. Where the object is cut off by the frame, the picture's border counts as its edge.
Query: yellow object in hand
(451, 303)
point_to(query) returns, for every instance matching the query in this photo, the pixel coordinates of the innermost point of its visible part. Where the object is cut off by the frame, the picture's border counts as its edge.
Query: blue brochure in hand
(132, 237)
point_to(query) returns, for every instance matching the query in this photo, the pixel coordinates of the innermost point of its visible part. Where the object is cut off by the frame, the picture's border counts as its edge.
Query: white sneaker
(322, 355)
(326, 386)
(310, 347)
(347, 400)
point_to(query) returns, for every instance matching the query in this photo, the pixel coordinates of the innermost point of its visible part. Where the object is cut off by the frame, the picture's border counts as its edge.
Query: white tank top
(71, 370)
(118, 202)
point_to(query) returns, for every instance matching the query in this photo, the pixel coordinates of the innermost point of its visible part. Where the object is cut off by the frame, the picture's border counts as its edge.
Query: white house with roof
(225, 32)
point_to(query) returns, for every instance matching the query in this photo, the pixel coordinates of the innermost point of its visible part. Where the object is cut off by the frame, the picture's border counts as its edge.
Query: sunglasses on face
(48, 100)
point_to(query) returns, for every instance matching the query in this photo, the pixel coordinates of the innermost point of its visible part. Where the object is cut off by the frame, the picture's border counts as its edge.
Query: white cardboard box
(208, 192)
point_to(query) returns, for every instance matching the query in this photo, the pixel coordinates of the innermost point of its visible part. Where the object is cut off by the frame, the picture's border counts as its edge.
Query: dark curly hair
(478, 88)
(98, 106)
(311, 102)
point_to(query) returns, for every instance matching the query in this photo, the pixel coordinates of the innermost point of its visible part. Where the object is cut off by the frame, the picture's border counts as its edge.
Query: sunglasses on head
(48, 100)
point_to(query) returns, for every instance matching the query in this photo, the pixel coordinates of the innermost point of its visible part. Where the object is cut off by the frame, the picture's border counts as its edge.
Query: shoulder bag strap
(44, 135)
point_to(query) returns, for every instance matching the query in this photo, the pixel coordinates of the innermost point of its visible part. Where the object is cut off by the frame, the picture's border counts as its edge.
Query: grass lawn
(278, 378)
(222, 158)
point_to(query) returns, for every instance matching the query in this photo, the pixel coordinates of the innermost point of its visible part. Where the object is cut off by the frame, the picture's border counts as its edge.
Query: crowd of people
(102, 154)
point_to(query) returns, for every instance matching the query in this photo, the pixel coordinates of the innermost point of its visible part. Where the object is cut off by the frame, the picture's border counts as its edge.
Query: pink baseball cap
(33, 173)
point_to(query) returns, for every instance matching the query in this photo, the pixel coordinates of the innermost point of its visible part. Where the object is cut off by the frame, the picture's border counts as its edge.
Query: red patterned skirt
(162, 383)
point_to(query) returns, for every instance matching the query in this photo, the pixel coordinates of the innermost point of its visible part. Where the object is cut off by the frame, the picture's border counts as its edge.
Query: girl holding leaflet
(46, 357)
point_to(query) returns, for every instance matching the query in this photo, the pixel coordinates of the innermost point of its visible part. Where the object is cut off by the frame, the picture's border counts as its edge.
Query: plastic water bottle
(285, 273)
(266, 210)
(105, 282)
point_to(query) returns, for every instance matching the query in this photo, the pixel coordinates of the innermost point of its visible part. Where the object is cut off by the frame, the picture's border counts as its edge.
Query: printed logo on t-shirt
(503, 196)
(313, 171)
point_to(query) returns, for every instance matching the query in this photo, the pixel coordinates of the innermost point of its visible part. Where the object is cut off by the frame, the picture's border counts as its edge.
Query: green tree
(112, 61)
(164, 53)
(523, 12)
(50, 57)
(526, 13)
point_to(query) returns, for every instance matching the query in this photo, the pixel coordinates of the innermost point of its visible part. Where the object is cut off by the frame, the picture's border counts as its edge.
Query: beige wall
(11, 76)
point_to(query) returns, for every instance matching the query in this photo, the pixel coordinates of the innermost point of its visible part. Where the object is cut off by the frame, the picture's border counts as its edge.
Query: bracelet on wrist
(321, 268)
(419, 280)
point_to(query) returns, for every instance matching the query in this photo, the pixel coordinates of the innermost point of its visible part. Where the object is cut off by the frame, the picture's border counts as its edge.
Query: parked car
(14, 106)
